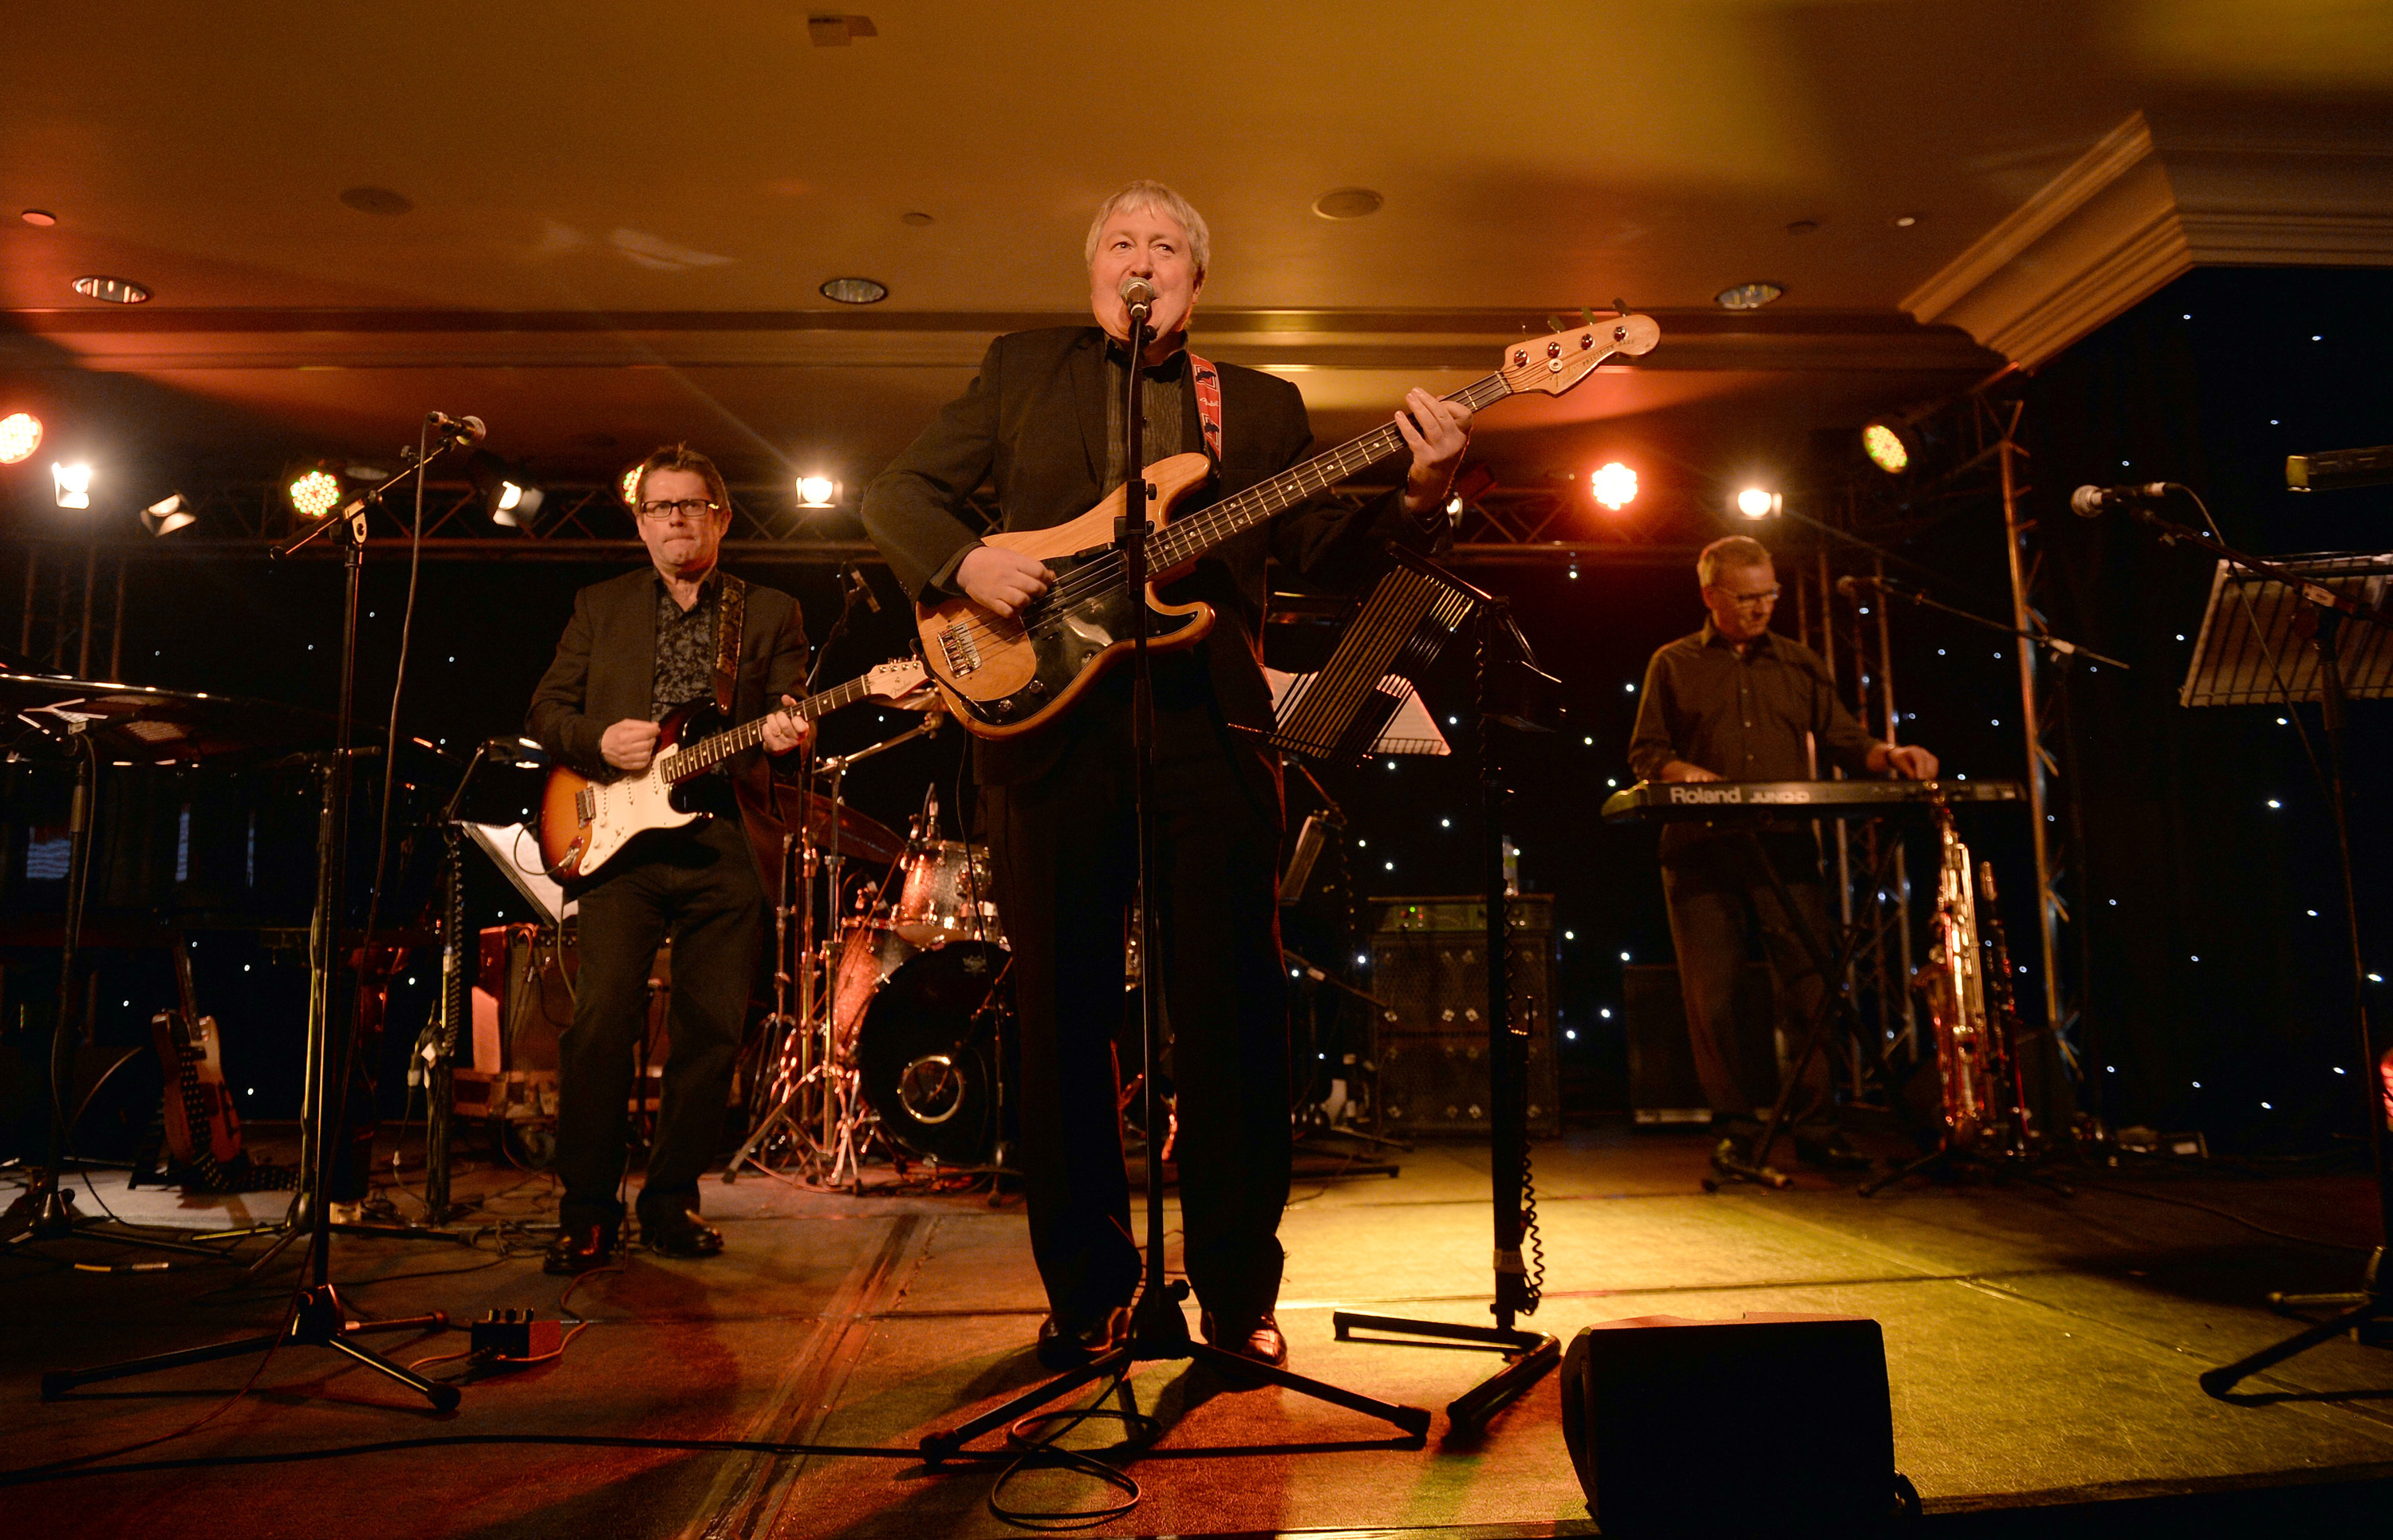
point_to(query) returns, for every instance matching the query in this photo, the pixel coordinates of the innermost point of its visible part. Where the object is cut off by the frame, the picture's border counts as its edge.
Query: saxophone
(1952, 985)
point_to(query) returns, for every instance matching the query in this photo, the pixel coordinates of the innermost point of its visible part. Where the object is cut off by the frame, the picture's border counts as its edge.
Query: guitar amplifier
(1429, 965)
(521, 1001)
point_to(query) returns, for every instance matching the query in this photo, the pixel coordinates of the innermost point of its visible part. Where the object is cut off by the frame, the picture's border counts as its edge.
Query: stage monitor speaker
(1652, 1406)
(1429, 966)
(1663, 1086)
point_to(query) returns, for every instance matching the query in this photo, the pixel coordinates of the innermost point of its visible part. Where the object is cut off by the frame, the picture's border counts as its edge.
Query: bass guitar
(584, 822)
(1009, 675)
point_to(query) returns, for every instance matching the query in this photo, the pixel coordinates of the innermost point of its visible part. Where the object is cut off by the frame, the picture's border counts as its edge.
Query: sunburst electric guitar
(584, 822)
(1009, 674)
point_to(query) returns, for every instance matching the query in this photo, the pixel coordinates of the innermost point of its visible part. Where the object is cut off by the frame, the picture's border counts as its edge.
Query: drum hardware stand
(1158, 1327)
(2317, 613)
(46, 1210)
(841, 1109)
(1528, 1354)
(318, 1318)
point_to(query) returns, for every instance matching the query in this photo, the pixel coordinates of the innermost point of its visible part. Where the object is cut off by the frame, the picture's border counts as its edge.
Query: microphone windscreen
(2086, 501)
(1137, 291)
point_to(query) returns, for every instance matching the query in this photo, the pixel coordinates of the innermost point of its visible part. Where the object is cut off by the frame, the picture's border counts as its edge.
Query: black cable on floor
(1033, 1450)
(2230, 1216)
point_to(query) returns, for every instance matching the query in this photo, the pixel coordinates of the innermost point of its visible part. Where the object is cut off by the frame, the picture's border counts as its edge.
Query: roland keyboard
(1649, 802)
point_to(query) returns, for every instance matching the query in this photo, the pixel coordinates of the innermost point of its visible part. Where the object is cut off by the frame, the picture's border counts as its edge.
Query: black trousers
(699, 885)
(1063, 852)
(1722, 909)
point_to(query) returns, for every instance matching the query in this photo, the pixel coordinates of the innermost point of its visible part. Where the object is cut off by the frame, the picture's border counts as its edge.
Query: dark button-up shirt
(685, 648)
(1750, 716)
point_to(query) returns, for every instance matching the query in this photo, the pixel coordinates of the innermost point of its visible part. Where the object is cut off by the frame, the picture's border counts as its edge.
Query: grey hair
(1144, 194)
(1729, 551)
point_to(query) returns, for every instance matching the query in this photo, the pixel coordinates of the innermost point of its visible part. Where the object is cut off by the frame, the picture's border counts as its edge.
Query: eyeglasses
(688, 507)
(1756, 601)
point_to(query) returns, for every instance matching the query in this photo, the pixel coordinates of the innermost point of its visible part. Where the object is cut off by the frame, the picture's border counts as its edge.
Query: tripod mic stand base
(1157, 1339)
(319, 1322)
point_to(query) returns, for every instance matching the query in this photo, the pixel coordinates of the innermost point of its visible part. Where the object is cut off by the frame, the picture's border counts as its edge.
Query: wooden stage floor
(2043, 1351)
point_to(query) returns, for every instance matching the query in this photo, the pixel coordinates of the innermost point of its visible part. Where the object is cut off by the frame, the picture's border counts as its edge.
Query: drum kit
(892, 1025)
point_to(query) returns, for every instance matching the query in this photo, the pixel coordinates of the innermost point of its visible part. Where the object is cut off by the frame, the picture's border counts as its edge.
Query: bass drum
(870, 955)
(928, 1055)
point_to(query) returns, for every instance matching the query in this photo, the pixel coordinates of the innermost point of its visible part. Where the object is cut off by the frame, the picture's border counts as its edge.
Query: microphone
(2088, 501)
(1138, 295)
(859, 588)
(1853, 587)
(469, 429)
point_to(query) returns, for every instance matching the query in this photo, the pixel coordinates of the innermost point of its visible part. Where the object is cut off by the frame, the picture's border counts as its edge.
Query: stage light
(71, 484)
(315, 492)
(1615, 486)
(517, 505)
(816, 492)
(169, 513)
(1889, 443)
(508, 497)
(627, 486)
(1753, 502)
(20, 434)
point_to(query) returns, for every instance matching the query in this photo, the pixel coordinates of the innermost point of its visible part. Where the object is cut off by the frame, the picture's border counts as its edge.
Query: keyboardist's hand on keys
(1679, 770)
(1909, 761)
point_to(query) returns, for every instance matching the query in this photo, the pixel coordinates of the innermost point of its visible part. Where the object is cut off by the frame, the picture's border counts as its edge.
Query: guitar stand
(1158, 1329)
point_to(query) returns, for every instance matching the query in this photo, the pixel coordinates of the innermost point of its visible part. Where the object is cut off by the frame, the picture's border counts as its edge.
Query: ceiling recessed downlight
(39, 216)
(1348, 202)
(855, 291)
(377, 199)
(116, 290)
(917, 218)
(1747, 296)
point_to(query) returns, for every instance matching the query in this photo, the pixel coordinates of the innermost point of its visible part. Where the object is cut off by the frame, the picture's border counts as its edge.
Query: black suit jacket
(605, 672)
(1033, 422)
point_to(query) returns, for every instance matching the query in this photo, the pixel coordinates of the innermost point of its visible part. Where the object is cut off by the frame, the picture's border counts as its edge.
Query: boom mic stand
(318, 1318)
(1159, 1327)
(2328, 609)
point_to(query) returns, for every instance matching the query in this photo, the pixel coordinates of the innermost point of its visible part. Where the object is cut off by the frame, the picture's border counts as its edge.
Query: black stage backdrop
(2200, 960)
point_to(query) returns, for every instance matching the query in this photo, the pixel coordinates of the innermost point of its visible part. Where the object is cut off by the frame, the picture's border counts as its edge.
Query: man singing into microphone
(639, 646)
(1737, 701)
(1045, 420)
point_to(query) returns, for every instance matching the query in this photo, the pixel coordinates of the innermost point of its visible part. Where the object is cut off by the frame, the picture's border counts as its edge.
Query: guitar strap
(1208, 403)
(730, 616)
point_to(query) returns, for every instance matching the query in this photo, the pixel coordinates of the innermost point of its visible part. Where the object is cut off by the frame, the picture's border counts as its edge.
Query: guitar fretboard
(714, 749)
(1185, 540)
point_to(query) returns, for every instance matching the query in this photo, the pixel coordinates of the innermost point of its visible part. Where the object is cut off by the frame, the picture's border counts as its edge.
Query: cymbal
(148, 724)
(861, 836)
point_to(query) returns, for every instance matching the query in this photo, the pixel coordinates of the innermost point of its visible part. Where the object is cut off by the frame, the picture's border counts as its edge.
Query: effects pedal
(516, 1333)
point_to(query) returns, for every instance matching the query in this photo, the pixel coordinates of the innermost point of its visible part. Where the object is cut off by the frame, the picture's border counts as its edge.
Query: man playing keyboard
(1737, 701)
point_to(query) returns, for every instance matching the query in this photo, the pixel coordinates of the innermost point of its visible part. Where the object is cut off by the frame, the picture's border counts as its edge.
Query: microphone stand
(2372, 1302)
(1159, 1327)
(2062, 651)
(318, 1318)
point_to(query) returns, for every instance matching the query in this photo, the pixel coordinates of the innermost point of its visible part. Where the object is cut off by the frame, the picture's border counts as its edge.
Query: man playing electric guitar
(1044, 421)
(638, 646)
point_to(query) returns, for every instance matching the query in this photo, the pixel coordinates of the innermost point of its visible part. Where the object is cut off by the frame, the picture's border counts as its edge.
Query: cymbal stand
(1159, 1327)
(318, 1318)
(46, 1210)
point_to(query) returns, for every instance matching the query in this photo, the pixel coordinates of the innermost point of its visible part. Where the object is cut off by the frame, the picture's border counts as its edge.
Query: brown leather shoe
(1261, 1341)
(1062, 1348)
(680, 1233)
(582, 1248)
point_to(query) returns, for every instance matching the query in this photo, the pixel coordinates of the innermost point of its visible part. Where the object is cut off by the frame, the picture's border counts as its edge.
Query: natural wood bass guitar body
(1009, 674)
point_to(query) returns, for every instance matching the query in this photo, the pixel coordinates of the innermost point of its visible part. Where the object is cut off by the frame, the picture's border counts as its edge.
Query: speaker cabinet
(1656, 1412)
(1429, 966)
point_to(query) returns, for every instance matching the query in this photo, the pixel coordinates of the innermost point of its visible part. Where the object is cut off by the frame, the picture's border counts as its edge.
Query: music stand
(2272, 635)
(1397, 634)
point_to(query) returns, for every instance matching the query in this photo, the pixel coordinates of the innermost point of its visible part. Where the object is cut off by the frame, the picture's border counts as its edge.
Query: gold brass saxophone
(1970, 1044)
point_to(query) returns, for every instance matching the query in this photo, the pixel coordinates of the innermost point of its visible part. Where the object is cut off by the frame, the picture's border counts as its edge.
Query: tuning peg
(1588, 313)
(1555, 323)
(1619, 306)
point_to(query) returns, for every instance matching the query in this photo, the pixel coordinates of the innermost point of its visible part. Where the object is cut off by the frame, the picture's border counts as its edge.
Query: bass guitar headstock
(1561, 359)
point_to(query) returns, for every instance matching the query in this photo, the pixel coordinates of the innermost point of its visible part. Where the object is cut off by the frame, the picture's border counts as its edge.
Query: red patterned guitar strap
(1208, 403)
(730, 618)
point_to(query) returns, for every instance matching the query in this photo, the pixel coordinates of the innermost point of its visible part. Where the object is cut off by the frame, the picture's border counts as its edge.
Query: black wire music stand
(1400, 630)
(2273, 635)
